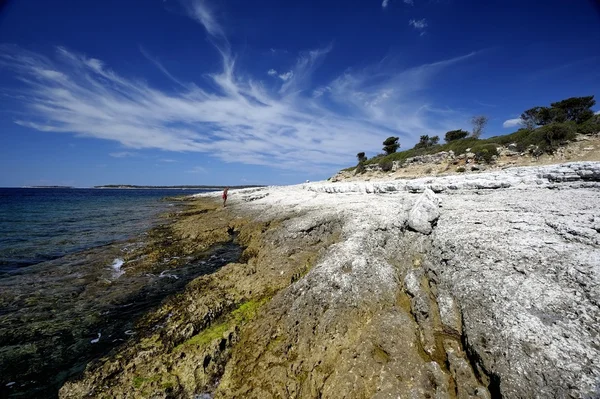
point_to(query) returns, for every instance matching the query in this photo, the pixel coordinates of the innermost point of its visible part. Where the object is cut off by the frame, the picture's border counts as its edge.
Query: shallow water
(38, 224)
(58, 315)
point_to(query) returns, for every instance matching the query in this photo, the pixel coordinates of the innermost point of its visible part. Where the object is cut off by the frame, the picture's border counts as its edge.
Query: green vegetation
(545, 129)
(455, 135)
(485, 152)
(391, 145)
(426, 141)
(243, 314)
(574, 109)
(362, 158)
(386, 165)
(139, 381)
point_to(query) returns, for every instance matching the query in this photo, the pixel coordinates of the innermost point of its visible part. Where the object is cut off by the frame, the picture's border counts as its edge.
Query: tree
(455, 135)
(423, 142)
(576, 109)
(361, 157)
(391, 145)
(531, 118)
(479, 123)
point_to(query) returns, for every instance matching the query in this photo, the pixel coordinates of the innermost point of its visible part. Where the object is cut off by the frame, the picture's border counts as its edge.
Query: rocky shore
(461, 286)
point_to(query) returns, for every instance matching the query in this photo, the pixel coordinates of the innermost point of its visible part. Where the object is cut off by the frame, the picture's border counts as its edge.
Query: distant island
(130, 186)
(48, 187)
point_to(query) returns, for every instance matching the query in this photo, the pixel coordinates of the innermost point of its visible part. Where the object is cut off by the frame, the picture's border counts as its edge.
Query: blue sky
(169, 92)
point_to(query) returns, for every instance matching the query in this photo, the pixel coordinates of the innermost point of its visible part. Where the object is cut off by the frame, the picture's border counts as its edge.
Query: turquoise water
(38, 224)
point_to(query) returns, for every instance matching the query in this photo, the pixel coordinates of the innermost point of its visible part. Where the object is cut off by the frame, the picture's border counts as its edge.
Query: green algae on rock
(199, 327)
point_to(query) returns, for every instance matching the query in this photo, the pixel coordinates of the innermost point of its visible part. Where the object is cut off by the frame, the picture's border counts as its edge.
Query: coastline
(480, 285)
(60, 314)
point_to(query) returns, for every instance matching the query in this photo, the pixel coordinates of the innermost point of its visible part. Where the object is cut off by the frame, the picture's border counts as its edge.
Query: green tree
(391, 145)
(361, 157)
(576, 109)
(479, 123)
(532, 118)
(423, 142)
(455, 135)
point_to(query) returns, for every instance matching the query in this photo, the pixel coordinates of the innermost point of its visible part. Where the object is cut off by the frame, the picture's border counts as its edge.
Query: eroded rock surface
(493, 291)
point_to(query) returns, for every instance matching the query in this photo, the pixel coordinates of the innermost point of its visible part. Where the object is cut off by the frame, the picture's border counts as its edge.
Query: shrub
(425, 141)
(391, 145)
(455, 135)
(591, 126)
(386, 165)
(549, 137)
(360, 168)
(460, 169)
(485, 152)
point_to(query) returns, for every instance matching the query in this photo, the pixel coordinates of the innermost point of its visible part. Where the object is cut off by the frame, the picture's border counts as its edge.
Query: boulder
(424, 212)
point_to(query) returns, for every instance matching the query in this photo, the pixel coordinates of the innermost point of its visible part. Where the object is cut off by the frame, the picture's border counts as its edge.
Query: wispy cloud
(409, 2)
(167, 160)
(200, 11)
(509, 123)
(122, 154)
(161, 68)
(272, 72)
(385, 3)
(286, 76)
(419, 24)
(294, 125)
(485, 104)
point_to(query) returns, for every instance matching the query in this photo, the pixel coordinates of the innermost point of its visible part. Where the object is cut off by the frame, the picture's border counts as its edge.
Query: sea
(65, 300)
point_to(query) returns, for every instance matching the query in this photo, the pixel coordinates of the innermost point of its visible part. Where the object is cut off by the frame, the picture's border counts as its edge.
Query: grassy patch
(241, 315)
(139, 381)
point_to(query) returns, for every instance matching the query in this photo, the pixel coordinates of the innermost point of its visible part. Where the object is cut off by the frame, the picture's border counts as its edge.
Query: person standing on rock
(225, 196)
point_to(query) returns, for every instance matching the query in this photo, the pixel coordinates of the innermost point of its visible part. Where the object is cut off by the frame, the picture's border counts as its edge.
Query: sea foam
(116, 267)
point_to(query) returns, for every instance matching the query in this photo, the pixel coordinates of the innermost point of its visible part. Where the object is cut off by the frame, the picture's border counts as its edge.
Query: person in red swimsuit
(225, 196)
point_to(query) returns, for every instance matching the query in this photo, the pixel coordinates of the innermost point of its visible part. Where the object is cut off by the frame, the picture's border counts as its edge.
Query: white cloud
(419, 24)
(385, 3)
(512, 123)
(597, 113)
(409, 2)
(198, 10)
(286, 76)
(272, 72)
(299, 127)
(122, 154)
(167, 160)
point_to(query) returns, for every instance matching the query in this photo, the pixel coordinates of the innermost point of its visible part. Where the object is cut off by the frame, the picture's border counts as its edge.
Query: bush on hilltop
(544, 130)
(391, 145)
(455, 135)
